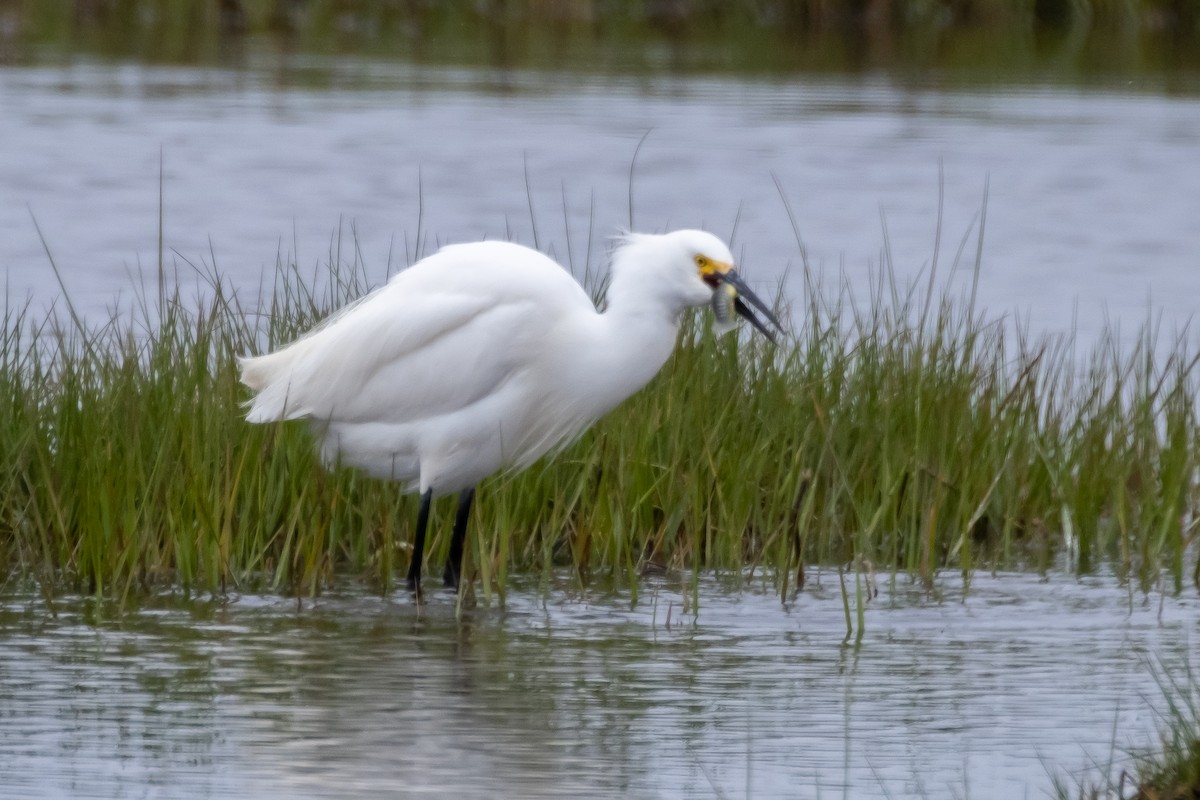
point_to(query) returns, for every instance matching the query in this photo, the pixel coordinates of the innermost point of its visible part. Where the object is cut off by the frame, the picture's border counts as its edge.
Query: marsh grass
(900, 432)
(965, 42)
(1173, 773)
(1170, 771)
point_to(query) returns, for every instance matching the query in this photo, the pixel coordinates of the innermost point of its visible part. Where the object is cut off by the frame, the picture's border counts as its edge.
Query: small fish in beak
(732, 290)
(723, 300)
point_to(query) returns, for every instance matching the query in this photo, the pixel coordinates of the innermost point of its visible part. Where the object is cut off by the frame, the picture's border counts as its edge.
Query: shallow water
(564, 694)
(1093, 203)
(1093, 196)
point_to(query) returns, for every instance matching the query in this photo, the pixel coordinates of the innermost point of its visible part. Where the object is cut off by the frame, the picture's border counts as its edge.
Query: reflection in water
(355, 696)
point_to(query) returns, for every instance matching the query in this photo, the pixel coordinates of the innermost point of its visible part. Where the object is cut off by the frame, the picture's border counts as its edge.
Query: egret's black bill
(745, 311)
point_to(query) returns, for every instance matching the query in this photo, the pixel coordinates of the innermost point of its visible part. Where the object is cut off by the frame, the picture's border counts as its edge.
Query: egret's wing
(438, 338)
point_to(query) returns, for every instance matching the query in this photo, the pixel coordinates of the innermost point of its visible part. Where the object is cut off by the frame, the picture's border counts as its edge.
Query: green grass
(904, 431)
(1113, 42)
(1170, 771)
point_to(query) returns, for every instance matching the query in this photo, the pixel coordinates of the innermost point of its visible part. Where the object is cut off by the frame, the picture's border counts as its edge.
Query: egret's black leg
(454, 562)
(418, 551)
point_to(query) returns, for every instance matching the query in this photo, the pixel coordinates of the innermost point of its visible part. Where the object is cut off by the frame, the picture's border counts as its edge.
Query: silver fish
(723, 300)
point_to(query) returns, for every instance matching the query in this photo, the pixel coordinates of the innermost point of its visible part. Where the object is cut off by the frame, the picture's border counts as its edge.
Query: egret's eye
(708, 270)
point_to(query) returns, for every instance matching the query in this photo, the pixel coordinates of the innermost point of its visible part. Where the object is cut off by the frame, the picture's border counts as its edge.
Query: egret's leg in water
(454, 563)
(418, 551)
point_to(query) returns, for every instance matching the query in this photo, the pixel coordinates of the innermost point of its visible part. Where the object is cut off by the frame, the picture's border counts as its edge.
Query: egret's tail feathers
(256, 371)
(269, 377)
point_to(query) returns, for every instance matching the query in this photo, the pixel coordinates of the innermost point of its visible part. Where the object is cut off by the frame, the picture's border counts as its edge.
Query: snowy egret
(487, 356)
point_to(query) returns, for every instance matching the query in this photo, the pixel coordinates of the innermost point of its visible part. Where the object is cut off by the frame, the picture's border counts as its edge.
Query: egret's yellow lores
(487, 356)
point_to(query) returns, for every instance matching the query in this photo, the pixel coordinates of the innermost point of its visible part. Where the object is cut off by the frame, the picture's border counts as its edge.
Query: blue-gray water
(578, 695)
(1093, 204)
(1093, 197)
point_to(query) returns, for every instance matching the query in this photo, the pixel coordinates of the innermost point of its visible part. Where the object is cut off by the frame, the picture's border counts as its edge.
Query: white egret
(487, 356)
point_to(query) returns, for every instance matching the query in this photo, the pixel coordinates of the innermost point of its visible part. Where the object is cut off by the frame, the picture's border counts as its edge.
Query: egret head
(712, 263)
(684, 269)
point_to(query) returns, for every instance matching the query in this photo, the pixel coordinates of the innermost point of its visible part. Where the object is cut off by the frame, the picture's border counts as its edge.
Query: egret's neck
(609, 356)
(641, 335)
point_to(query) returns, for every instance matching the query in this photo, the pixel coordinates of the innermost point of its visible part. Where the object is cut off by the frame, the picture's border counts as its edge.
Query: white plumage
(485, 356)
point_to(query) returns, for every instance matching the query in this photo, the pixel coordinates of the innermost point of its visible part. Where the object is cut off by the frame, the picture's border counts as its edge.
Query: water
(1093, 196)
(569, 695)
(1093, 199)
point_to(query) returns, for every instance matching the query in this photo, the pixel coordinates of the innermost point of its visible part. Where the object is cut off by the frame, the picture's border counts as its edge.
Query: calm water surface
(1093, 209)
(1094, 197)
(567, 695)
